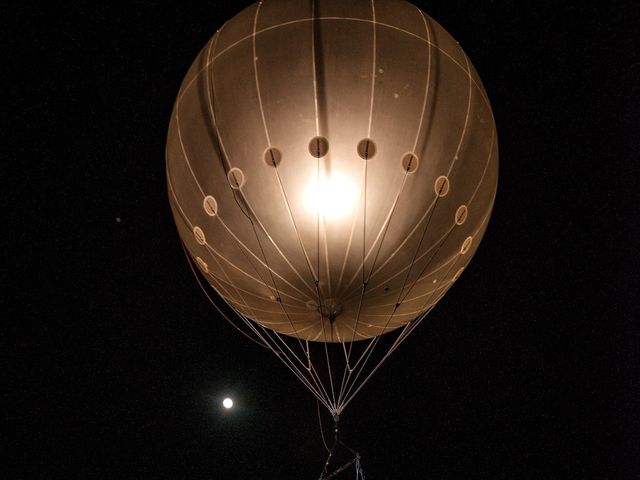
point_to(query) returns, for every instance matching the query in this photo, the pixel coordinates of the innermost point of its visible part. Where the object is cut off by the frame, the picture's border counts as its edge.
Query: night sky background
(116, 363)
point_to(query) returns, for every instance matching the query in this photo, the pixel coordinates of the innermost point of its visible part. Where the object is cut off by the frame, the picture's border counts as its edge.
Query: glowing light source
(332, 196)
(227, 403)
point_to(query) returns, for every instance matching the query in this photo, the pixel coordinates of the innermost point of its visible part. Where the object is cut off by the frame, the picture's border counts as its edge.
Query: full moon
(227, 403)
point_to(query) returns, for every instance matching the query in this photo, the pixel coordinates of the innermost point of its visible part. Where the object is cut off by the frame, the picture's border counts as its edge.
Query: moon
(227, 403)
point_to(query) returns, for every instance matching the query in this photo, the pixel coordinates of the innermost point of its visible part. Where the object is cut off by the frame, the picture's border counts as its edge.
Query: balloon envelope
(332, 165)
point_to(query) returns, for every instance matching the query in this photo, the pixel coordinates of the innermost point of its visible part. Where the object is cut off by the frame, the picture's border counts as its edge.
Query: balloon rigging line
(398, 302)
(313, 65)
(279, 353)
(314, 378)
(315, 99)
(209, 248)
(366, 160)
(424, 253)
(259, 260)
(212, 250)
(370, 348)
(206, 293)
(353, 228)
(364, 232)
(406, 331)
(350, 370)
(224, 157)
(275, 290)
(263, 228)
(250, 309)
(221, 155)
(385, 228)
(266, 130)
(414, 324)
(221, 283)
(311, 370)
(347, 371)
(415, 254)
(349, 396)
(373, 67)
(395, 290)
(469, 202)
(255, 234)
(428, 82)
(325, 242)
(295, 226)
(288, 361)
(324, 442)
(448, 262)
(379, 234)
(386, 225)
(315, 279)
(255, 70)
(455, 158)
(387, 280)
(184, 152)
(466, 118)
(436, 252)
(314, 276)
(322, 315)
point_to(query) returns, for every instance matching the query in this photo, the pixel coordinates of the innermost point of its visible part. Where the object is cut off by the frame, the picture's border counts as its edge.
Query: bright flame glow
(227, 403)
(332, 196)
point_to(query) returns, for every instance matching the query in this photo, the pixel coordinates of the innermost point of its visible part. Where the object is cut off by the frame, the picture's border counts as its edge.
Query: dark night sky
(528, 368)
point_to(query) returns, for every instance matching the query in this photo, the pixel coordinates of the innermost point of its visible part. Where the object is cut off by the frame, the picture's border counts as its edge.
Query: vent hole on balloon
(409, 162)
(199, 235)
(236, 178)
(366, 148)
(441, 186)
(461, 214)
(202, 264)
(210, 206)
(458, 273)
(272, 156)
(466, 245)
(318, 147)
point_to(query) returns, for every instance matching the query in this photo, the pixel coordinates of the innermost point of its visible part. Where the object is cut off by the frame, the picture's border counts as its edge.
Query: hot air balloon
(331, 169)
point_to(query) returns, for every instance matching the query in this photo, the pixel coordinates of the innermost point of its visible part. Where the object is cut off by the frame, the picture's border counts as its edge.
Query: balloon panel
(325, 172)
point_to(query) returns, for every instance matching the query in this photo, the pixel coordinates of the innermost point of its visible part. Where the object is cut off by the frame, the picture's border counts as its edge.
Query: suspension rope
(324, 442)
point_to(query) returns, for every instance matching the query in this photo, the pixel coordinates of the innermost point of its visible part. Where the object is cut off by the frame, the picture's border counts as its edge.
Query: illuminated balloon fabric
(307, 136)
